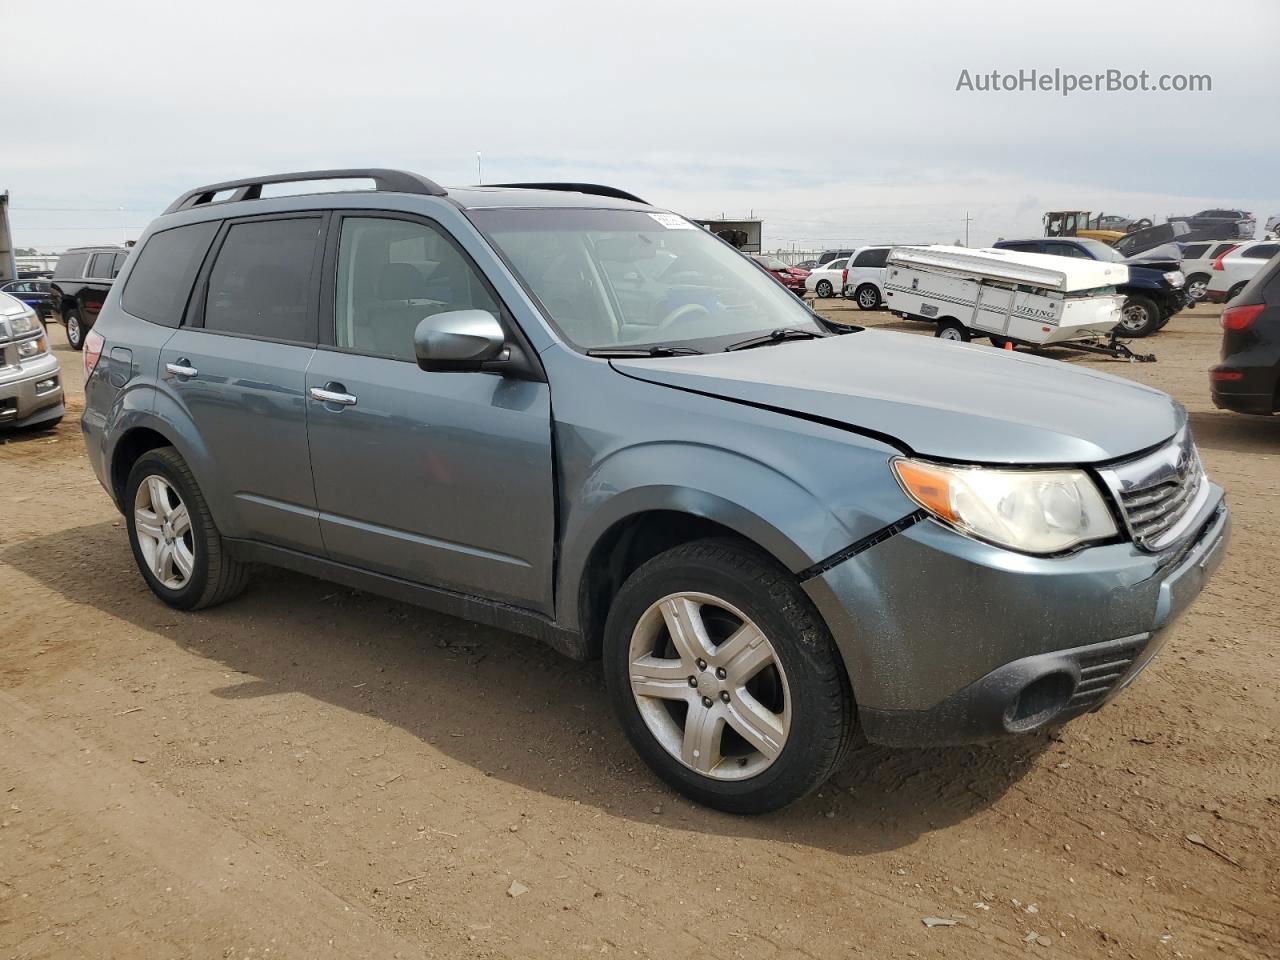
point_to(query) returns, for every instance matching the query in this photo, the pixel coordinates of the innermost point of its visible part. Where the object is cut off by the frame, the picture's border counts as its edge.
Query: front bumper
(948, 640)
(30, 392)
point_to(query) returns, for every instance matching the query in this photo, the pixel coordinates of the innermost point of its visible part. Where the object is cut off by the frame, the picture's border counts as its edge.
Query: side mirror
(458, 340)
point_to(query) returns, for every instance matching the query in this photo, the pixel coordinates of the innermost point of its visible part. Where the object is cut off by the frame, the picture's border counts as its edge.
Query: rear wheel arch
(132, 445)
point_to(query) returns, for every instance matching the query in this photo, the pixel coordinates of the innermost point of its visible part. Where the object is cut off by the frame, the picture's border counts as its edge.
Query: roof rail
(250, 188)
(591, 188)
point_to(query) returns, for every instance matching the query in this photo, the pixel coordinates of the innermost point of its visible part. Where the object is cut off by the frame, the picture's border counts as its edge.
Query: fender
(170, 420)
(764, 505)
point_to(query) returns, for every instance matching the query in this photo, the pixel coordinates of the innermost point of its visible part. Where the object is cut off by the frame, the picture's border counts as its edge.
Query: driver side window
(392, 274)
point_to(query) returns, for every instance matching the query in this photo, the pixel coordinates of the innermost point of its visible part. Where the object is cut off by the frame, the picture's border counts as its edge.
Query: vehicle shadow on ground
(1235, 432)
(502, 704)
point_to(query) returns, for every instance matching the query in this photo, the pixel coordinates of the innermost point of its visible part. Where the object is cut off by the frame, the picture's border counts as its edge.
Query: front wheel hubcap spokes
(713, 679)
(163, 527)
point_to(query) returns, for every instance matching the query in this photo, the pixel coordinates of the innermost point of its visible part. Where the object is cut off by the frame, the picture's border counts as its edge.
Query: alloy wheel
(709, 686)
(73, 329)
(867, 298)
(951, 333)
(163, 526)
(1196, 289)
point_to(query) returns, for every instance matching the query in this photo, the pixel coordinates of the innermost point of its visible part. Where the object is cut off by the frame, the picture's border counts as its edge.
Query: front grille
(1153, 510)
(1158, 491)
(1099, 672)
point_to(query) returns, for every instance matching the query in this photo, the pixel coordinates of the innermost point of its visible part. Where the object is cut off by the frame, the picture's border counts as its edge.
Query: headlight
(1175, 278)
(32, 348)
(25, 323)
(1035, 511)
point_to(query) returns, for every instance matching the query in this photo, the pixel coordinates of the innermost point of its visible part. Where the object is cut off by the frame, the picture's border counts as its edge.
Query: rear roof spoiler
(394, 181)
(594, 189)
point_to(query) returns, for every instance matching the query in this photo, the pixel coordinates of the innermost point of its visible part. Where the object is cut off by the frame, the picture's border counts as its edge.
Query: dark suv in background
(1247, 379)
(81, 281)
(1154, 293)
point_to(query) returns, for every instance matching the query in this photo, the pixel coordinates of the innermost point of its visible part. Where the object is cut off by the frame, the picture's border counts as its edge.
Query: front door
(440, 478)
(238, 368)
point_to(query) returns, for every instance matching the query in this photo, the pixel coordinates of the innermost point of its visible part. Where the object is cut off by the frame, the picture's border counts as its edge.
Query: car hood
(951, 401)
(1167, 256)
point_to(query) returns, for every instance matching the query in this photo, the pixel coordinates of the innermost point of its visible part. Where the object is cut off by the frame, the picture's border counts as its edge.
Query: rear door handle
(182, 368)
(332, 396)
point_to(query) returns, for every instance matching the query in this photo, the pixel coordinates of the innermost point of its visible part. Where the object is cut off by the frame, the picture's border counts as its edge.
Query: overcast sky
(833, 122)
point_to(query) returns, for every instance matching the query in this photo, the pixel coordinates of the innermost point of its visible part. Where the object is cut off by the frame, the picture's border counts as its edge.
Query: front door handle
(325, 395)
(182, 368)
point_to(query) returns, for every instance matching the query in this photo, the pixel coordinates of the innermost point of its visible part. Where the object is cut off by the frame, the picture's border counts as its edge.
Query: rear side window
(71, 265)
(260, 284)
(1264, 251)
(101, 265)
(158, 287)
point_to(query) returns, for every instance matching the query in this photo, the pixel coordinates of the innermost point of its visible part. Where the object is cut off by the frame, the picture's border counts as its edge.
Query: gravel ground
(313, 772)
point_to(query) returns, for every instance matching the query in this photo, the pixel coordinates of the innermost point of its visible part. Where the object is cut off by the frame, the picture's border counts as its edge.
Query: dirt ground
(312, 772)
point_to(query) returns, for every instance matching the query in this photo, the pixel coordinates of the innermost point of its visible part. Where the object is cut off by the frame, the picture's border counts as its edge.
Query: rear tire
(999, 341)
(1139, 317)
(868, 297)
(175, 542)
(952, 329)
(75, 330)
(823, 289)
(788, 688)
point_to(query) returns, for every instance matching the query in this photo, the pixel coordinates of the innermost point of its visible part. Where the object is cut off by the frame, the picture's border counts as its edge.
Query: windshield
(1099, 249)
(628, 278)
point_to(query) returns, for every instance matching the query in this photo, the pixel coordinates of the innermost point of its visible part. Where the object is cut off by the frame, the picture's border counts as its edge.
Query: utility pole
(967, 220)
(479, 178)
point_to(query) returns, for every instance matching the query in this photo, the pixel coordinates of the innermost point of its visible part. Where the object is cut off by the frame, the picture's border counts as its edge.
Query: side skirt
(476, 609)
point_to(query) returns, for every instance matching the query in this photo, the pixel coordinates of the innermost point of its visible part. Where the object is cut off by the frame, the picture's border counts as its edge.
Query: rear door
(238, 370)
(440, 478)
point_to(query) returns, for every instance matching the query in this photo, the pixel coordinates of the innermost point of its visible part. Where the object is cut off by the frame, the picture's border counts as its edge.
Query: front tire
(725, 679)
(75, 329)
(175, 543)
(1139, 317)
(823, 289)
(868, 297)
(1234, 292)
(1197, 286)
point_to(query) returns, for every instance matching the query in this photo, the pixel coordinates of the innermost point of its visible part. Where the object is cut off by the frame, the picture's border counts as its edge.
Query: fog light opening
(1039, 702)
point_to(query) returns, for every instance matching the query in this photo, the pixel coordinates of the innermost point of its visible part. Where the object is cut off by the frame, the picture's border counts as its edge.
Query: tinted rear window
(1263, 251)
(71, 265)
(872, 258)
(100, 266)
(158, 287)
(260, 284)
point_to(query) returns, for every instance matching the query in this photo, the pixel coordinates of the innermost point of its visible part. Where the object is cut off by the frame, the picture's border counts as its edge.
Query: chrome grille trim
(1159, 493)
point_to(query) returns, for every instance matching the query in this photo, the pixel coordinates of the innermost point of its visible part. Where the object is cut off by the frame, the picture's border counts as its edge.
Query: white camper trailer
(1008, 296)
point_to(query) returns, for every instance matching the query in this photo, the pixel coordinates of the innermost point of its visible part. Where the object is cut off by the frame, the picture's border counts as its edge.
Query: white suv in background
(1197, 264)
(864, 281)
(828, 279)
(1231, 272)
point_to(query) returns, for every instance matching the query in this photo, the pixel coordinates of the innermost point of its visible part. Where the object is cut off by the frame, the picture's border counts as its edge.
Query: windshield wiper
(657, 350)
(774, 336)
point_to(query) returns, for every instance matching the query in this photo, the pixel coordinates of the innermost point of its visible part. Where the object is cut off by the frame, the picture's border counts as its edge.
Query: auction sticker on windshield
(672, 222)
